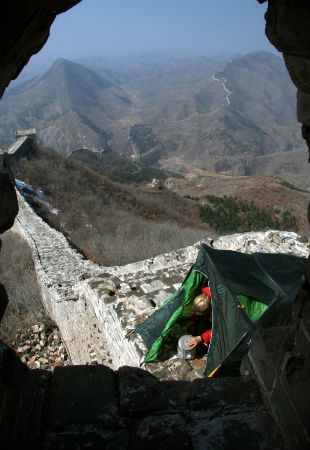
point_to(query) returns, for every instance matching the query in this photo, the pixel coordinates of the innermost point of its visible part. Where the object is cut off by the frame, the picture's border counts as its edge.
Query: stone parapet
(282, 375)
(81, 407)
(98, 308)
(21, 402)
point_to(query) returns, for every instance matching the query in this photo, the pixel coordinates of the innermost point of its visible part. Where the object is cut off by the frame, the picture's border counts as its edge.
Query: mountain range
(236, 117)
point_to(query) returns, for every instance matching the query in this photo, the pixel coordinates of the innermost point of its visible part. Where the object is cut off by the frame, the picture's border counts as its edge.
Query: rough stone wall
(94, 407)
(97, 307)
(286, 352)
(87, 301)
(21, 148)
(279, 359)
(25, 27)
(288, 29)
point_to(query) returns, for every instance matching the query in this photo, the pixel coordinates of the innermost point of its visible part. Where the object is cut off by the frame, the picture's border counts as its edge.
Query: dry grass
(17, 274)
(110, 223)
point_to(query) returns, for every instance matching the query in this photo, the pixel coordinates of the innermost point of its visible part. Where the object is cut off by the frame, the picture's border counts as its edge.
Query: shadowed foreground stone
(3, 301)
(21, 402)
(94, 407)
(280, 361)
(8, 203)
(25, 27)
(82, 394)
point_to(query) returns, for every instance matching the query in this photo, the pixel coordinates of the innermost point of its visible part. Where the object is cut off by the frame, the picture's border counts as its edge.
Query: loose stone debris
(41, 347)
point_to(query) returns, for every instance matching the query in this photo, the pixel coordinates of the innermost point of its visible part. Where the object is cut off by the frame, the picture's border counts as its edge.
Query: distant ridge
(70, 105)
(236, 117)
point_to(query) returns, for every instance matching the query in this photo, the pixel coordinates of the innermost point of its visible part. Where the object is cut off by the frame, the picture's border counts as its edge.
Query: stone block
(282, 372)
(230, 392)
(84, 395)
(158, 284)
(198, 365)
(146, 288)
(124, 288)
(172, 369)
(267, 350)
(87, 438)
(161, 296)
(233, 432)
(142, 393)
(166, 432)
(294, 433)
(21, 402)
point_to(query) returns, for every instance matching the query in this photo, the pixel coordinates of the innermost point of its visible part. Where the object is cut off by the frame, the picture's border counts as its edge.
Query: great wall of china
(81, 407)
(96, 310)
(104, 398)
(97, 307)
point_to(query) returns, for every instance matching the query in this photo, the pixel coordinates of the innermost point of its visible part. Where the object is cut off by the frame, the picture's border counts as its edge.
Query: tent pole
(236, 346)
(214, 371)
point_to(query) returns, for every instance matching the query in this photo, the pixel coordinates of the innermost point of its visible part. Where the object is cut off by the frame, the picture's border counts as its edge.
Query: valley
(235, 117)
(220, 138)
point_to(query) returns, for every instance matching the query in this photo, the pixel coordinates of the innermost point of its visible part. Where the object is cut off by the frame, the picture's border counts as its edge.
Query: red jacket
(206, 336)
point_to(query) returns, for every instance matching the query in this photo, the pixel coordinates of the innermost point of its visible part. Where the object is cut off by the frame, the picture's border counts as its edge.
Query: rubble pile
(41, 347)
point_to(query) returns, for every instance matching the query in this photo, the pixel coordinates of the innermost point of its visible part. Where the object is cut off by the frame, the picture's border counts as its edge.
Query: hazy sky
(126, 27)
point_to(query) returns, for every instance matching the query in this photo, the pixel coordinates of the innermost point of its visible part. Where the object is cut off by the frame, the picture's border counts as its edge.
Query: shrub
(228, 215)
(291, 186)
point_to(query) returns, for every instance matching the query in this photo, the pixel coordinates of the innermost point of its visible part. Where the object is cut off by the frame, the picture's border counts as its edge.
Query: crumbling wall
(96, 307)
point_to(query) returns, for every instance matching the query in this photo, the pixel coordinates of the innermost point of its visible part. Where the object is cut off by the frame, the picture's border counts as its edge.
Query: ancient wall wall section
(97, 308)
(86, 300)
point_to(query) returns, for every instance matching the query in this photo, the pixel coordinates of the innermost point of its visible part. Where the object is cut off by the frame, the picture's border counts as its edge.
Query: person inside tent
(202, 308)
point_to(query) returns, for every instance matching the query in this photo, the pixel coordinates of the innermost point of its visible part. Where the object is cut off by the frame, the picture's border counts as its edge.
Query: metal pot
(186, 351)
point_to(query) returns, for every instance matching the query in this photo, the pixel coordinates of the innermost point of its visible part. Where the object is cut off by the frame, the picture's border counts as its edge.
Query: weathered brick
(82, 394)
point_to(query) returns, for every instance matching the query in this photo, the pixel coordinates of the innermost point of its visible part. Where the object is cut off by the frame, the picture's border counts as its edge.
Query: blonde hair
(202, 303)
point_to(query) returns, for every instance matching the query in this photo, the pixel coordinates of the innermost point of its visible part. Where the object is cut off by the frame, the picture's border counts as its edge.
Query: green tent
(249, 291)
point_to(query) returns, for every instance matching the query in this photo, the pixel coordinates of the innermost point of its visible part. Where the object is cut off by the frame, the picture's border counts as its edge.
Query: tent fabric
(248, 291)
(155, 330)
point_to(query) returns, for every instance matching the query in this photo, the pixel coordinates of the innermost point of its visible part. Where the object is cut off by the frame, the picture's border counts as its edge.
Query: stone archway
(24, 30)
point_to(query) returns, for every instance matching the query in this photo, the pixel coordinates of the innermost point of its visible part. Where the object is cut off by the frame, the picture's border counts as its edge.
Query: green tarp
(248, 291)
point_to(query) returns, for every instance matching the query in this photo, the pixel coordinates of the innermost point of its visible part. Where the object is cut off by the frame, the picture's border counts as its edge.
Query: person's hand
(192, 342)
